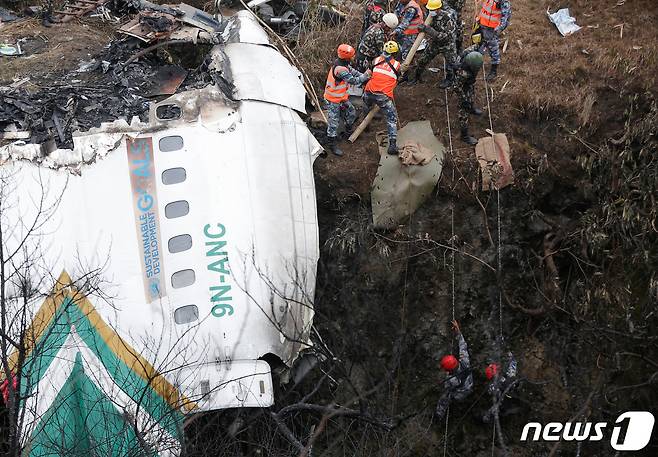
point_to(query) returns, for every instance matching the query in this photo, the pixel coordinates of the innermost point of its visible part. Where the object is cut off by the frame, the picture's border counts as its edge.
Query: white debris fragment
(564, 22)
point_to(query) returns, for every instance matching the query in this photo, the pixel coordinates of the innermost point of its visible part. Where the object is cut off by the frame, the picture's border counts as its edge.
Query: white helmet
(391, 20)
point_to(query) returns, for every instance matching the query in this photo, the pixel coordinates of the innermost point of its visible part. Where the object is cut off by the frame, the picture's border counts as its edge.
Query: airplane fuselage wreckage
(158, 263)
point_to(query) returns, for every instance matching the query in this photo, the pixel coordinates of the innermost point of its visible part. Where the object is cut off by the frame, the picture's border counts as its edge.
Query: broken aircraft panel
(187, 246)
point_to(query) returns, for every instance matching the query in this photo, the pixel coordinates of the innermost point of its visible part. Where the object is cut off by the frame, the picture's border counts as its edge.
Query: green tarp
(398, 190)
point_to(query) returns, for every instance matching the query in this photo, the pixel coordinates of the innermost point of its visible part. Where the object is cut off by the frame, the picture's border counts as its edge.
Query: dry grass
(57, 49)
(316, 47)
(572, 78)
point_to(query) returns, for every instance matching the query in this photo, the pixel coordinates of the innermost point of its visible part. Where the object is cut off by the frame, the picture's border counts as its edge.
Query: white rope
(493, 439)
(445, 436)
(499, 271)
(498, 218)
(452, 203)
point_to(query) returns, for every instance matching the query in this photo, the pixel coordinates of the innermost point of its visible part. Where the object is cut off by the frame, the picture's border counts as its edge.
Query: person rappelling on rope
(500, 385)
(459, 383)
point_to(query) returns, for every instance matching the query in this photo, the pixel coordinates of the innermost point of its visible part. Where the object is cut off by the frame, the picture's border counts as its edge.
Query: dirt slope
(390, 293)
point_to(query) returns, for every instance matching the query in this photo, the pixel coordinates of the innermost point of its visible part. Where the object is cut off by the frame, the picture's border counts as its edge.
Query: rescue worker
(465, 77)
(411, 17)
(493, 18)
(379, 90)
(459, 383)
(440, 40)
(500, 385)
(340, 77)
(458, 6)
(372, 42)
(372, 14)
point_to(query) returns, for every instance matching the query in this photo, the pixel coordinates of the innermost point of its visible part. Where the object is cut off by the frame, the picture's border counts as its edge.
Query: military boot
(493, 73)
(449, 80)
(332, 144)
(467, 138)
(392, 147)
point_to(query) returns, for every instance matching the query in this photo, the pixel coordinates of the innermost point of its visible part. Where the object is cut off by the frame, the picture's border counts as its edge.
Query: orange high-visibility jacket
(384, 79)
(335, 91)
(417, 21)
(490, 14)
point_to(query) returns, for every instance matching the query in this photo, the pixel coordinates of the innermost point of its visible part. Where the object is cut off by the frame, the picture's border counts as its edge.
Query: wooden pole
(405, 65)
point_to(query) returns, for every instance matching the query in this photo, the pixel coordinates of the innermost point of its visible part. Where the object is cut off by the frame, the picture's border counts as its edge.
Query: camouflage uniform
(334, 110)
(371, 46)
(490, 36)
(373, 14)
(458, 6)
(500, 386)
(406, 15)
(388, 107)
(441, 39)
(459, 384)
(465, 88)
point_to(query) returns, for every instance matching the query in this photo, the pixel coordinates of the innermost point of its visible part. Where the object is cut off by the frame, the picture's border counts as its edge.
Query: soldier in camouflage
(410, 16)
(494, 17)
(459, 383)
(341, 75)
(465, 76)
(500, 385)
(441, 40)
(372, 43)
(372, 14)
(458, 6)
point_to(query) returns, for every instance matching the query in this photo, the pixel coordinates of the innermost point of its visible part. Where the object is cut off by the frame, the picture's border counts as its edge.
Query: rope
(445, 436)
(452, 203)
(493, 438)
(499, 276)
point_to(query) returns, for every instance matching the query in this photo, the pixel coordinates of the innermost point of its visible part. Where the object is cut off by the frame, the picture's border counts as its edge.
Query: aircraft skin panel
(254, 249)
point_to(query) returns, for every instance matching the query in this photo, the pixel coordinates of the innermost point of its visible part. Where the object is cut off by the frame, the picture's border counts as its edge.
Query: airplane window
(179, 243)
(177, 209)
(186, 314)
(168, 112)
(174, 176)
(171, 143)
(183, 278)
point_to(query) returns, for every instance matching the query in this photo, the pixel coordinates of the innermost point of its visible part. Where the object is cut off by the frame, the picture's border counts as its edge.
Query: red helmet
(491, 371)
(345, 51)
(449, 362)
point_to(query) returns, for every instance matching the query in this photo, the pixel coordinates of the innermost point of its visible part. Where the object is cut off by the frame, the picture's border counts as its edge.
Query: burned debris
(159, 52)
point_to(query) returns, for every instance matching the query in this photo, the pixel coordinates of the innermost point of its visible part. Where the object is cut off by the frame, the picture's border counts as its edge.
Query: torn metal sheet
(243, 27)
(493, 156)
(398, 190)
(198, 18)
(166, 81)
(150, 26)
(262, 73)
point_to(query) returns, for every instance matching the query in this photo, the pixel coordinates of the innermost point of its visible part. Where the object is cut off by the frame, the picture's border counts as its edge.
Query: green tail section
(86, 392)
